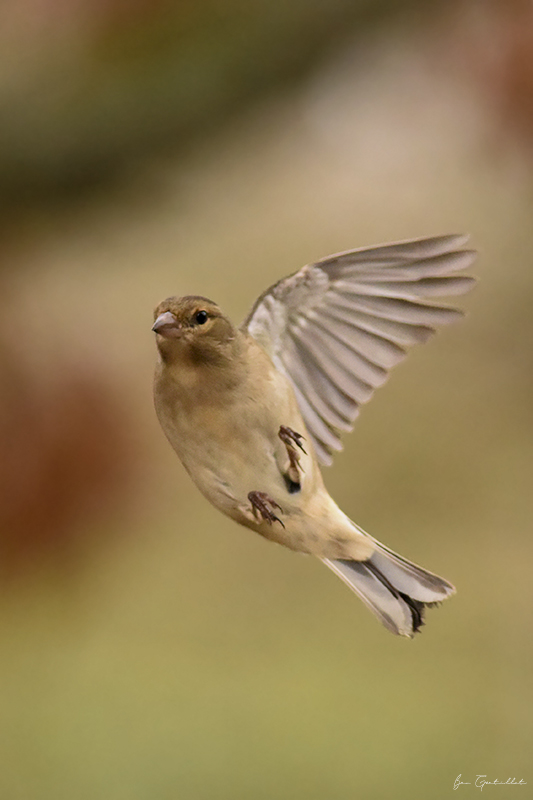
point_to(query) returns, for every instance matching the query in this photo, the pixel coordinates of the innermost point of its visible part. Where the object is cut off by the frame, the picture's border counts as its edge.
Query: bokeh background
(151, 649)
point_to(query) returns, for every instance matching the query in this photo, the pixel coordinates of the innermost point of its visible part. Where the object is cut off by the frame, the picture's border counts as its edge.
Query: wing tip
(447, 243)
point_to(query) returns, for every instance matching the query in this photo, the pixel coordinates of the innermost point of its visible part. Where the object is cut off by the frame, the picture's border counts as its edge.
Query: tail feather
(394, 589)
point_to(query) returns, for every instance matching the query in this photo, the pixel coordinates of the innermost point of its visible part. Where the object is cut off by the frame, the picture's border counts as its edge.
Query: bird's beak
(167, 325)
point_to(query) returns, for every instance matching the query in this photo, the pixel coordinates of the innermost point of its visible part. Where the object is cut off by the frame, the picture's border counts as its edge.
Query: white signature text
(482, 780)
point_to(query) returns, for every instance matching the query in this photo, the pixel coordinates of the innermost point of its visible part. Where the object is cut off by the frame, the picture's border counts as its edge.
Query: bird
(254, 411)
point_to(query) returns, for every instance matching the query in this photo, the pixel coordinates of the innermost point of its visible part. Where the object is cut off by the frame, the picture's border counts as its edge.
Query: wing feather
(401, 310)
(326, 399)
(401, 333)
(375, 348)
(338, 374)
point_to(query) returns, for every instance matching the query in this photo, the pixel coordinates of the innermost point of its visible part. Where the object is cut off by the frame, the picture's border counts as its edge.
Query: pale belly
(234, 451)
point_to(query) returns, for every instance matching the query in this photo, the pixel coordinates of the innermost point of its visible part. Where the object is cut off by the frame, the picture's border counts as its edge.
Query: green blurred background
(151, 649)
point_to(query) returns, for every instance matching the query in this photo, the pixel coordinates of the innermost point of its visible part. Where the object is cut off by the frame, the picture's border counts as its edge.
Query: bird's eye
(201, 317)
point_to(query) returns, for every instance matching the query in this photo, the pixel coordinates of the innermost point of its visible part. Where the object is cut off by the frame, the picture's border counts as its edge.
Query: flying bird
(253, 411)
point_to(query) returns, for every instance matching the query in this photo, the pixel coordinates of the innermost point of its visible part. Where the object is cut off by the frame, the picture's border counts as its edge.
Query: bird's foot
(290, 438)
(264, 506)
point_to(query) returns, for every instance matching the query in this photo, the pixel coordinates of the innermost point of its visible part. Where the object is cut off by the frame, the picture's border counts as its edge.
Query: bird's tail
(394, 589)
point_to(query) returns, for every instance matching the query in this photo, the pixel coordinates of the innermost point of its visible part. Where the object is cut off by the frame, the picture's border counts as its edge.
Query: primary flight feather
(251, 411)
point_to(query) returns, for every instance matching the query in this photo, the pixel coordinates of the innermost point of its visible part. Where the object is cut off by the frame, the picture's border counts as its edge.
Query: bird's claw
(290, 437)
(263, 506)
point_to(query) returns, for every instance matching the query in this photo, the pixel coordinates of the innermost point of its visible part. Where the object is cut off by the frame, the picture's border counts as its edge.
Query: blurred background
(151, 649)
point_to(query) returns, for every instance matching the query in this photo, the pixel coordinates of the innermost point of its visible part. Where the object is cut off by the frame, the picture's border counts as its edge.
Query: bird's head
(192, 327)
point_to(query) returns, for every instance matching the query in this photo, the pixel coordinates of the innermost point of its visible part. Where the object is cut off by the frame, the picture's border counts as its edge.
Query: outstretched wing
(335, 328)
